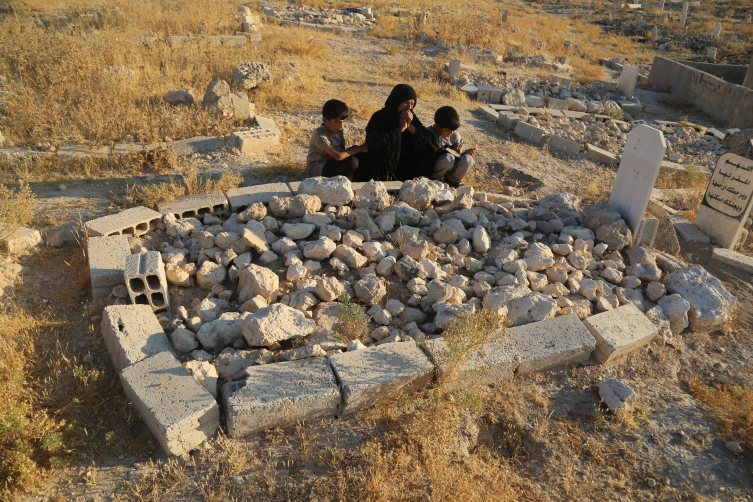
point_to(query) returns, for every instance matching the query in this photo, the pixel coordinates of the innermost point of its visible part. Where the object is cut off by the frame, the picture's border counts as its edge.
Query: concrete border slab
(134, 221)
(241, 198)
(493, 364)
(619, 332)
(132, 333)
(195, 206)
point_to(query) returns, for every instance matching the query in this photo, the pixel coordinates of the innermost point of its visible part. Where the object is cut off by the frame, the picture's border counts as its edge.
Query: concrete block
(688, 231)
(489, 94)
(529, 132)
(600, 155)
(647, 231)
(510, 121)
(257, 140)
(495, 363)
(551, 343)
(145, 280)
(132, 333)
(107, 259)
(280, 395)
(195, 206)
(560, 80)
(573, 115)
(558, 104)
(619, 332)
(565, 145)
(489, 113)
(135, 221)
(233, 40)
(366, 376)
(633, 109)
(733, 259)
(241, 198)
(470, 90)
(20, 240)
(179, 412)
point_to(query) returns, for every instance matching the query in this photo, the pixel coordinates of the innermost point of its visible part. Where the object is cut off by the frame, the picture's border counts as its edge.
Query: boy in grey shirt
(327, 154)
(453, 162)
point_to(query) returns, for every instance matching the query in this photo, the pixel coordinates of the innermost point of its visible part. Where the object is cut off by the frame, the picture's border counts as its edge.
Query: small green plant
(682, 121)
(352, 323)
(471, 268)
(16, 208)
(393, 50)
(646, 371)
(219, 343)
(615, 113)
(297, 341)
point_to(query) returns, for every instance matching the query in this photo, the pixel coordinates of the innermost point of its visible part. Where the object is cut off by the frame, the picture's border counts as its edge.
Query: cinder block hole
(218, 209)
(153, 223)
(142, 227)
(137, 285)
(153, 282)
(129, 230)
(141, 300)
(189, 214)
(158, 299)
(203, 211)
(117, 232)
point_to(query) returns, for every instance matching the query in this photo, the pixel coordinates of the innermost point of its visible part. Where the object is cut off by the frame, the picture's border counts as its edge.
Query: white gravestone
(683, 19)
(685, 6)
(727, 201)
(628, 79)
(717, 30)
(637, 174)
(654, 34)
(711, 55)
(454, 68)
(661, 5)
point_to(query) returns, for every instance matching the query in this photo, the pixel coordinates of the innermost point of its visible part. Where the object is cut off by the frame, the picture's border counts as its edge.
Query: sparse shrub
(16, 208)
(731, 406)
(393, 50)
(352, 323)
(615, 113)
(192, 183)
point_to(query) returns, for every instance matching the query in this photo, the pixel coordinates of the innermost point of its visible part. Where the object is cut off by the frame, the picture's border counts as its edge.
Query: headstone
(683, 19)
(711, 54)
(661, 5)
(664, 19)
(504, 18)
(685, 6)
(717, 30)
(627, 81)
(749, 18)
(637, 174)
(733, 38)
(454, 68)
(727, 201)
(654, 34)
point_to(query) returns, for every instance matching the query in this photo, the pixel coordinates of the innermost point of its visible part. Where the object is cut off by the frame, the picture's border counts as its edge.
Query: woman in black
(395, 137)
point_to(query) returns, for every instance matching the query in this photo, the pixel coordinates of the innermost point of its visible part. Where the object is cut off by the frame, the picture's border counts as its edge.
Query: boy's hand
(458, 148)
(471, 151)
(363, 148)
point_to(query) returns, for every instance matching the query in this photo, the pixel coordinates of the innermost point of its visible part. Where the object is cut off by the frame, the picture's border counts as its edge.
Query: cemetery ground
(68, 431)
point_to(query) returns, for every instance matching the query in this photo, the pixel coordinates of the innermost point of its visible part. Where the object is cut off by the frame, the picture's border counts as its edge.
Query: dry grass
(44, 168)
(352, 322)
(731, 406)
(16, 208)
(191, 183)
(597, 189)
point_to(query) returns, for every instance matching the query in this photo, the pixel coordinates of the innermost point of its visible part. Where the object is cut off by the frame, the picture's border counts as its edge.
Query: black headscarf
(391, 152)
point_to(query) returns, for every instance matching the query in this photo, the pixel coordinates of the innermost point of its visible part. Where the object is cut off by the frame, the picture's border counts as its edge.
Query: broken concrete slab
(599, 155)
(369, 375)
(107, 259)
(619, 332)
(280, 395)
(551, 343)
(179, 412)
(733, 259)
(20, 240)
(132, 333)
(135, 221)
(495, 363)
(145, 280)
(688, 231)
(565, 145)
(195, 206)
(529, 132)
(241, 198)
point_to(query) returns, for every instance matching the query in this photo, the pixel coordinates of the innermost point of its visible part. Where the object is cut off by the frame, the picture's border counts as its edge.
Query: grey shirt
(321, 138)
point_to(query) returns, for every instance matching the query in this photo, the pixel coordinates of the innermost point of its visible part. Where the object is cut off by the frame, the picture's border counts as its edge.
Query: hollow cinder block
(146, 281)
(107, 257)
(195, 206)
(135, 221)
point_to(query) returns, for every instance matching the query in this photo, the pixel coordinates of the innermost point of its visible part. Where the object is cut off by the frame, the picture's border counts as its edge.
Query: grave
(684, 8)
(454, 68)
(717, 30)
(727, 201)
(683, 19)
(628, 79)
(637, 174)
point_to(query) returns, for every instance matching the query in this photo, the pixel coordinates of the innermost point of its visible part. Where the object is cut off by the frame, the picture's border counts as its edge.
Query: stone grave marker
(727, 201)
(454, 68)
(661, 5)
(717, 30)
(683, 19)
(654, 34)
(637, 174)
(685, 6)
(628, 79)
(711, 54)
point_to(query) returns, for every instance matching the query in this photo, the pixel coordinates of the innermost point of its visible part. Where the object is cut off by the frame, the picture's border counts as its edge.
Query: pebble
(62, 187)
(651, 482)
(733, 446)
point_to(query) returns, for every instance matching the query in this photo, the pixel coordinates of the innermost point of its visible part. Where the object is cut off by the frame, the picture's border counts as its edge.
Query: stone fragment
(250, 75)
(349, 256)
(210, 274)
(274, 324)
(370, 289)
(710, 303)
(418, 193)
(675, 309)
(257, 280)
(336, 191)
(294, 207)
(184, 340)
(329, 289)
(205, 374)
(372, 196)
(619, 332)
(617, 395)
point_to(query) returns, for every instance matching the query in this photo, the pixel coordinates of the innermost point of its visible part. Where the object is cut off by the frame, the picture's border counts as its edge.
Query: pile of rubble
(299, 13)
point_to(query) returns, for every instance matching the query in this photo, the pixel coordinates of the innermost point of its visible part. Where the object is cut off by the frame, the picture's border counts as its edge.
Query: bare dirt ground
(550, 433)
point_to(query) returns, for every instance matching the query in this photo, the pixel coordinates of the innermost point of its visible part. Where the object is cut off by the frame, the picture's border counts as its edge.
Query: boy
(327, 154)
(452, 164)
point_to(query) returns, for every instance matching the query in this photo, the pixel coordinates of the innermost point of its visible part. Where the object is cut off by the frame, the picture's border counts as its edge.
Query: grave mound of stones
(347, 19)
(265, 267)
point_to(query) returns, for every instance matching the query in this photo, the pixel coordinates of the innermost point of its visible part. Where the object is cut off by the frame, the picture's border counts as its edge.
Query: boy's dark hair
(335, 109)
(447, 117)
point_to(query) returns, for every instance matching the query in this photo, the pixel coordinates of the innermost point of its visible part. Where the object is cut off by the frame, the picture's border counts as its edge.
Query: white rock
(481, 240)
(320, 249)
(336, 190)
(184, 340)
(710, 303)
(617, 395)
(675, 309)
(275, 323)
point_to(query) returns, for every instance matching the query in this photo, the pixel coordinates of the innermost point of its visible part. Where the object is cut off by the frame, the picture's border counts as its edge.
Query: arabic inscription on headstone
(731, 186)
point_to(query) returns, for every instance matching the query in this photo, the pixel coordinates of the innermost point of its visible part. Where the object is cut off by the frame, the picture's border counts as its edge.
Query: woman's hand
(406, 117)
